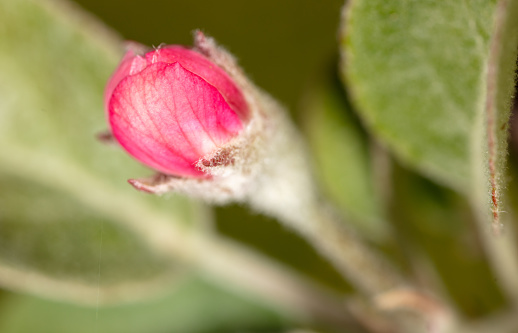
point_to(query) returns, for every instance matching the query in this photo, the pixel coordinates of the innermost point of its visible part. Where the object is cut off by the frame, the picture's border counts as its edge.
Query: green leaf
(195, 306)
(433, 79)
(45, 230)
(342, 157)
(69, 222)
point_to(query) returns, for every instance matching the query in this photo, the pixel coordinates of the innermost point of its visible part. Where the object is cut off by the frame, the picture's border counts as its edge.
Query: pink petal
(130, 65)
(168, 117)
(199, 64)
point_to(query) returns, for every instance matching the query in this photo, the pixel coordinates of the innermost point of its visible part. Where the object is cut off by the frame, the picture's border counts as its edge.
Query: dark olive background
(281, 44)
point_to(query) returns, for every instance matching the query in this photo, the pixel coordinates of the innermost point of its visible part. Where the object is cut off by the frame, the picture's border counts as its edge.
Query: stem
(364, 268)
(236, 267)
(286, 191)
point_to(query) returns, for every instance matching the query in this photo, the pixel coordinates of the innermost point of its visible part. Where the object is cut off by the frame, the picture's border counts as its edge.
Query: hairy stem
(286, 191)
(360, 264)
(237, 267)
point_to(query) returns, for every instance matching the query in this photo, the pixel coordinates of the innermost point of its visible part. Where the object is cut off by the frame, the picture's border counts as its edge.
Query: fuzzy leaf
(433, 79)
(69, 222)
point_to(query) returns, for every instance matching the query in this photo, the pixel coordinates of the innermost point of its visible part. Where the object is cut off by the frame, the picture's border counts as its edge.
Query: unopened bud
(171, 107)
(208, 131)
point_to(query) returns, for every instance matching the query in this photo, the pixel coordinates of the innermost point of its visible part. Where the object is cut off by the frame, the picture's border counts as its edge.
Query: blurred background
(280, 44)
(68, 228)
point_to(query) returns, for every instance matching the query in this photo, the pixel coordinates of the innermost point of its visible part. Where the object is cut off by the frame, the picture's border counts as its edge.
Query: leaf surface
(433, 80)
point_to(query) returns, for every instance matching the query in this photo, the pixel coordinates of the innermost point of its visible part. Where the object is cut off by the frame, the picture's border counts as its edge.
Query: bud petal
(171, 107)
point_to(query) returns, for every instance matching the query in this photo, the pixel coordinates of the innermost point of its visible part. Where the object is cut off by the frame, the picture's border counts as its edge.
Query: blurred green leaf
(195, 306)
(45, 230)
(433, 79)
(68, 219)
(342, 156)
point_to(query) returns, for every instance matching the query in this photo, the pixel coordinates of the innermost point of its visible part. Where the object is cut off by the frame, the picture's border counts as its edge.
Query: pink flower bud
(171, 107)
